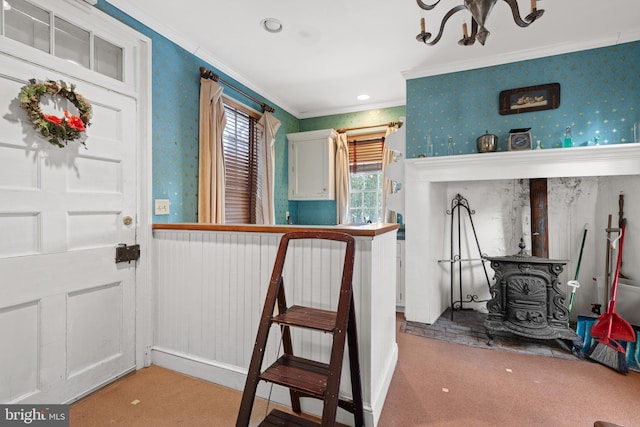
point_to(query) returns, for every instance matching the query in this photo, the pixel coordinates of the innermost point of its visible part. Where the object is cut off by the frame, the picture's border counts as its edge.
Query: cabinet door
(311, 168)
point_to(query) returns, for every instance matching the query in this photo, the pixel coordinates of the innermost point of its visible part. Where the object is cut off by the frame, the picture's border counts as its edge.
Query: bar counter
(354, 230)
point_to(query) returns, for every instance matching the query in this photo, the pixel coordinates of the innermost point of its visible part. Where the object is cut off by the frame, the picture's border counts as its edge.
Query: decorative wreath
(59, 130)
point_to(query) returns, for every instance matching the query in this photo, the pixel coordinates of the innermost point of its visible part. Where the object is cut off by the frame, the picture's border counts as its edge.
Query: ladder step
(278, 418)
(304, 375)
(308, 317)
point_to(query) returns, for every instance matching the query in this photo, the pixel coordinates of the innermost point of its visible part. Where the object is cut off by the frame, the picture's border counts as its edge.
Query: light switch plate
(162, 207)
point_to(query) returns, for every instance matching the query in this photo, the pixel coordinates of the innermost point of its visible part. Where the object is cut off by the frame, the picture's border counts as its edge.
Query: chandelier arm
(444, 21)
(515, 11)
(425, 6)
(474, 30)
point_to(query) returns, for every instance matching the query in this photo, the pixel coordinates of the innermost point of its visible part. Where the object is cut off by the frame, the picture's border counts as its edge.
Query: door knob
(127, 220)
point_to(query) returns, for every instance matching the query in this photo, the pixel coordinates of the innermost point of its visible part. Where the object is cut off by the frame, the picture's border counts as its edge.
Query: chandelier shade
(479, 11)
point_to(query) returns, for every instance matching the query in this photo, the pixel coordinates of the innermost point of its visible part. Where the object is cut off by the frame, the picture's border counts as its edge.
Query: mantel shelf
(603, 160)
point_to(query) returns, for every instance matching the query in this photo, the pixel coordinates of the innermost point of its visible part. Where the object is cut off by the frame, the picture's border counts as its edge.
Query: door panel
(21, 349)
(67, 311)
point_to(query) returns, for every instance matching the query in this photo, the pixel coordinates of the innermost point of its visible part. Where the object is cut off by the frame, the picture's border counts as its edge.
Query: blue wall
(599, 92)
(324, 212)
(175, 110)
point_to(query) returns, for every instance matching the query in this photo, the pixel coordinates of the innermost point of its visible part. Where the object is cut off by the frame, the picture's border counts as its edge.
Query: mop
(574, 284)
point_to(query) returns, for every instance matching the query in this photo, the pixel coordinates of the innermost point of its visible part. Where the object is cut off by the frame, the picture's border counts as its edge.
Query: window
(27, 24)
(71, 42)
(108, 58)
(33, 26)
(365, 200)
(365, 164)
(241, 147)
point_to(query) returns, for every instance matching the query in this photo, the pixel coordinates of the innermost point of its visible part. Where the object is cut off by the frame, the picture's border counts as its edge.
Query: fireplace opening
(583, 184)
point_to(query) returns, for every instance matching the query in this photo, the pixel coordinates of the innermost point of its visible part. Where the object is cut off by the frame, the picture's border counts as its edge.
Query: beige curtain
(387, 184)
(265, 208)
(343, 183)
(211, 158)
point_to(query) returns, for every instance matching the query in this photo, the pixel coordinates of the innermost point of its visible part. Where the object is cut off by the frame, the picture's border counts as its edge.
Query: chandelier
(480, 10)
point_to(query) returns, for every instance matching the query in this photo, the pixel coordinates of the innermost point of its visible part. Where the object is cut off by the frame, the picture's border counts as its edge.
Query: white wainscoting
(209, 293)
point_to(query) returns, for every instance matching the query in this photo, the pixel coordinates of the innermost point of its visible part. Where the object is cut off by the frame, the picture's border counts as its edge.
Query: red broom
(611, 328)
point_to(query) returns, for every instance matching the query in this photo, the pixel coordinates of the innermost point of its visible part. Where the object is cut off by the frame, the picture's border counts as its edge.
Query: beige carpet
(161, 398)
(158, 397)
(435, 383)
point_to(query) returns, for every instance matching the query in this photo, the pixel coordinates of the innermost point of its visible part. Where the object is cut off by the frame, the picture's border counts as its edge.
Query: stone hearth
(467, 328)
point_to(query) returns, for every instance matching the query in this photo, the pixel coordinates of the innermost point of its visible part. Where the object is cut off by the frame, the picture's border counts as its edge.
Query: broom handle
(614, 291)
(607, 269)
(584, 237)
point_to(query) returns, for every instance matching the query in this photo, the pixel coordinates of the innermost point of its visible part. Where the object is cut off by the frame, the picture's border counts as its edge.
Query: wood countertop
(353, 230)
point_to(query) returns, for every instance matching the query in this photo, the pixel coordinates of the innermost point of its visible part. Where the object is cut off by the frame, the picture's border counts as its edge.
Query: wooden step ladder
(304, 377)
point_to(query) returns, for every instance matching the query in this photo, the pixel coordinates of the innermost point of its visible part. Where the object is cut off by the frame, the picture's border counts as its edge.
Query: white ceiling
(331, 51)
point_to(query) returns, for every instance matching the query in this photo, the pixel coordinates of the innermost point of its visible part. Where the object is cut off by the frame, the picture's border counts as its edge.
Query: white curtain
(387, 184)
(211, 158)
(265, 208)
(343, 183)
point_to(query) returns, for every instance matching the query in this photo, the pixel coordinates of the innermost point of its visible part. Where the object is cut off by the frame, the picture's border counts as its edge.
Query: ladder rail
(354, 367)
(339, 338)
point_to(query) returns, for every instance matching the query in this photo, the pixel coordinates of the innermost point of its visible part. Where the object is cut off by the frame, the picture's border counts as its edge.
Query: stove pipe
(539, 217)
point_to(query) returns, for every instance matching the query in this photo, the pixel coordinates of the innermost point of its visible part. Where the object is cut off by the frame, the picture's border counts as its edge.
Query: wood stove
(526, 299)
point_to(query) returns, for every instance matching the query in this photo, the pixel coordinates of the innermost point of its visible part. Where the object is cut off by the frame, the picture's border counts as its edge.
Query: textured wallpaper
(175, 109)
(599, 93)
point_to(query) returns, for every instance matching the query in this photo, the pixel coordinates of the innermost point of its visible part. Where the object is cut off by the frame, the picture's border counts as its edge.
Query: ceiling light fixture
(479, 10)
(363, 97)
(271, 25)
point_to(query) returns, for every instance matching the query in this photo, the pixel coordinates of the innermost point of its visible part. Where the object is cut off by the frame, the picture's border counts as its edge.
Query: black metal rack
(457, 203)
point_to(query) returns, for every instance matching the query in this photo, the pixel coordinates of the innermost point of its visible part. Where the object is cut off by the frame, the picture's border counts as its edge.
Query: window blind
(365, 152)
(240, 143)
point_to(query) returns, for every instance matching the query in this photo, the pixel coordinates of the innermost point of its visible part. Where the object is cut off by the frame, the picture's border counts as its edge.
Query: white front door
(67, 310)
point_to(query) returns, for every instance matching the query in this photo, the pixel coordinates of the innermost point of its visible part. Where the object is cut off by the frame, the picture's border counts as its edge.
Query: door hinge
(126, 253)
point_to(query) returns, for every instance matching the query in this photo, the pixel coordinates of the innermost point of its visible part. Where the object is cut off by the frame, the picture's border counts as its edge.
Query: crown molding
(522, 55)
(353, 109)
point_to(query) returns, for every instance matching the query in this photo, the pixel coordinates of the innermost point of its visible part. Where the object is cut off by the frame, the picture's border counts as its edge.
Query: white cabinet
(400, 295)
(312, 165)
